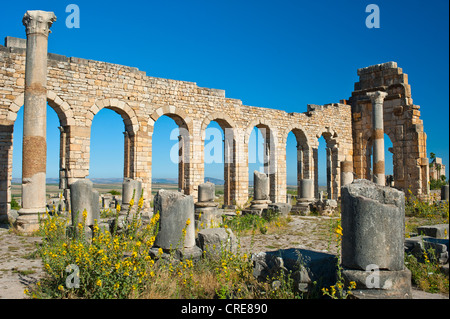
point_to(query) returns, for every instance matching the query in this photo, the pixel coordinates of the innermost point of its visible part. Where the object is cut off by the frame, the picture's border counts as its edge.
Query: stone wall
(77, 89)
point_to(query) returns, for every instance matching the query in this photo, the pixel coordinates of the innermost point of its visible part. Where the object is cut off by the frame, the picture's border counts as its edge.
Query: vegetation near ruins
(118, 264)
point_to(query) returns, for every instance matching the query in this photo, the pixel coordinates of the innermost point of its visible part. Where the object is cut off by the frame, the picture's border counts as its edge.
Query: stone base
(386, 284)
(282, 209)
(28, 220)
(200, 205)
(301, 208)
(209, 217)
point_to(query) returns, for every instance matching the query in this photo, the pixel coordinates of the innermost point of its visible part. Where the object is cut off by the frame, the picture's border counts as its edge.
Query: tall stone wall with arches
(77, 89)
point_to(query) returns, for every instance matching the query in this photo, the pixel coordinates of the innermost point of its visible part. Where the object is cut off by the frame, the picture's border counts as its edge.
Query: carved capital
(377, 97)
(38, 22)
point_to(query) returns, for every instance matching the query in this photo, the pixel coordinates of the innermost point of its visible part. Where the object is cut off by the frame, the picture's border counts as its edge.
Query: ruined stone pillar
(373, 226)
(377, 99)
(299, 167)
(315, 161)
(131, 189)
(329, 167)
(34, 155)
(126, 155)
(261, 190)
(206, 212)
(346, 172)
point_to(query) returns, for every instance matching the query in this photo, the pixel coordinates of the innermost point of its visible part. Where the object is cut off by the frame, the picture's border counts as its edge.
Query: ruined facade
(402, 124)
(77, 89)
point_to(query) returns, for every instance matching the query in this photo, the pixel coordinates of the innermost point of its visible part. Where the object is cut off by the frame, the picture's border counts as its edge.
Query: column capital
(377, 96)
(38, 22)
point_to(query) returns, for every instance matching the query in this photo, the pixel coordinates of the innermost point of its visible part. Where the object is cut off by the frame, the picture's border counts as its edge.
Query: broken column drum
(130, 188)
(175, 210)
(373, 225)
(84, 197)
(261, 191)
(206, 212)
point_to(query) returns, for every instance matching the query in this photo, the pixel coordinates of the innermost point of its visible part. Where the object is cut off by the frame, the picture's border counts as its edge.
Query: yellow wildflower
(338, 230)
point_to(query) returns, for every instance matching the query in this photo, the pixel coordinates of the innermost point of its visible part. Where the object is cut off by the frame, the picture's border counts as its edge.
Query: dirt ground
(19, 266)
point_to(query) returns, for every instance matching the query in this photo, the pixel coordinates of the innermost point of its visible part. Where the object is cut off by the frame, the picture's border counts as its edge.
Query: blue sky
(277, 54)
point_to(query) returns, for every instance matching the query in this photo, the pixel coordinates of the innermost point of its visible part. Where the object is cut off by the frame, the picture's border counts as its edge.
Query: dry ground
(19, 267)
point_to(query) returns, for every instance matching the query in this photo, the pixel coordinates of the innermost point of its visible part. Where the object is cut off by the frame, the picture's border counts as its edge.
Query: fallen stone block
(436, 231)
(214, 241)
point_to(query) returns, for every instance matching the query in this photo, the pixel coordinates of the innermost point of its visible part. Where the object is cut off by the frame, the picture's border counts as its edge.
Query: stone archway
(304, 154)
(65, 116)
(185, 146)
(332, 162)
(270, 157)
(229, 157)
(131, 130)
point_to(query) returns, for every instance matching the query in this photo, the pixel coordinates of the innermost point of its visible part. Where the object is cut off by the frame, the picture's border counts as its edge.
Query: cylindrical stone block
(373, 225)
(175, 210)
(261, 186)
(84, 197)
(130, 188)
(346, 173)
(206, 192)
(307, 189)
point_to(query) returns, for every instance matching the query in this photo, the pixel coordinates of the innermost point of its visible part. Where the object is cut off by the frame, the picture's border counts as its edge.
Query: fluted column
(34, 154)
(377, 99)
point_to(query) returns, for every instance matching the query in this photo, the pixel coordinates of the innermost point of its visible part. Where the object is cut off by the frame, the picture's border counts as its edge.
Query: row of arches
(264, 136)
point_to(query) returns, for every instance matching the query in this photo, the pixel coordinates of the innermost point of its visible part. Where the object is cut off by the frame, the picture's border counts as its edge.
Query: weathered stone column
(131, 189)
(261, 191)
(315, 161)
(373, 226)
(305, 197)
(329, 168)
(34, 154)
(377, 99)
(206, 212)
(299, 167)
(346, 172)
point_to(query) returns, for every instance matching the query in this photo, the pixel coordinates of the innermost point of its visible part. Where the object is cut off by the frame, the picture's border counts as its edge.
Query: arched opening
(261, 156)
(326, 172)
(219, 159)
(170, 154)
(292, 168)
(107, 147)
(389, 160)
(53, 159)
(322, 169)
(297, 162)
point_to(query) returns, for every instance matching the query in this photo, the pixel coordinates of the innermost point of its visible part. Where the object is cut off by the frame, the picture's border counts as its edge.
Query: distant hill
(165, 180)
(113, 180)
